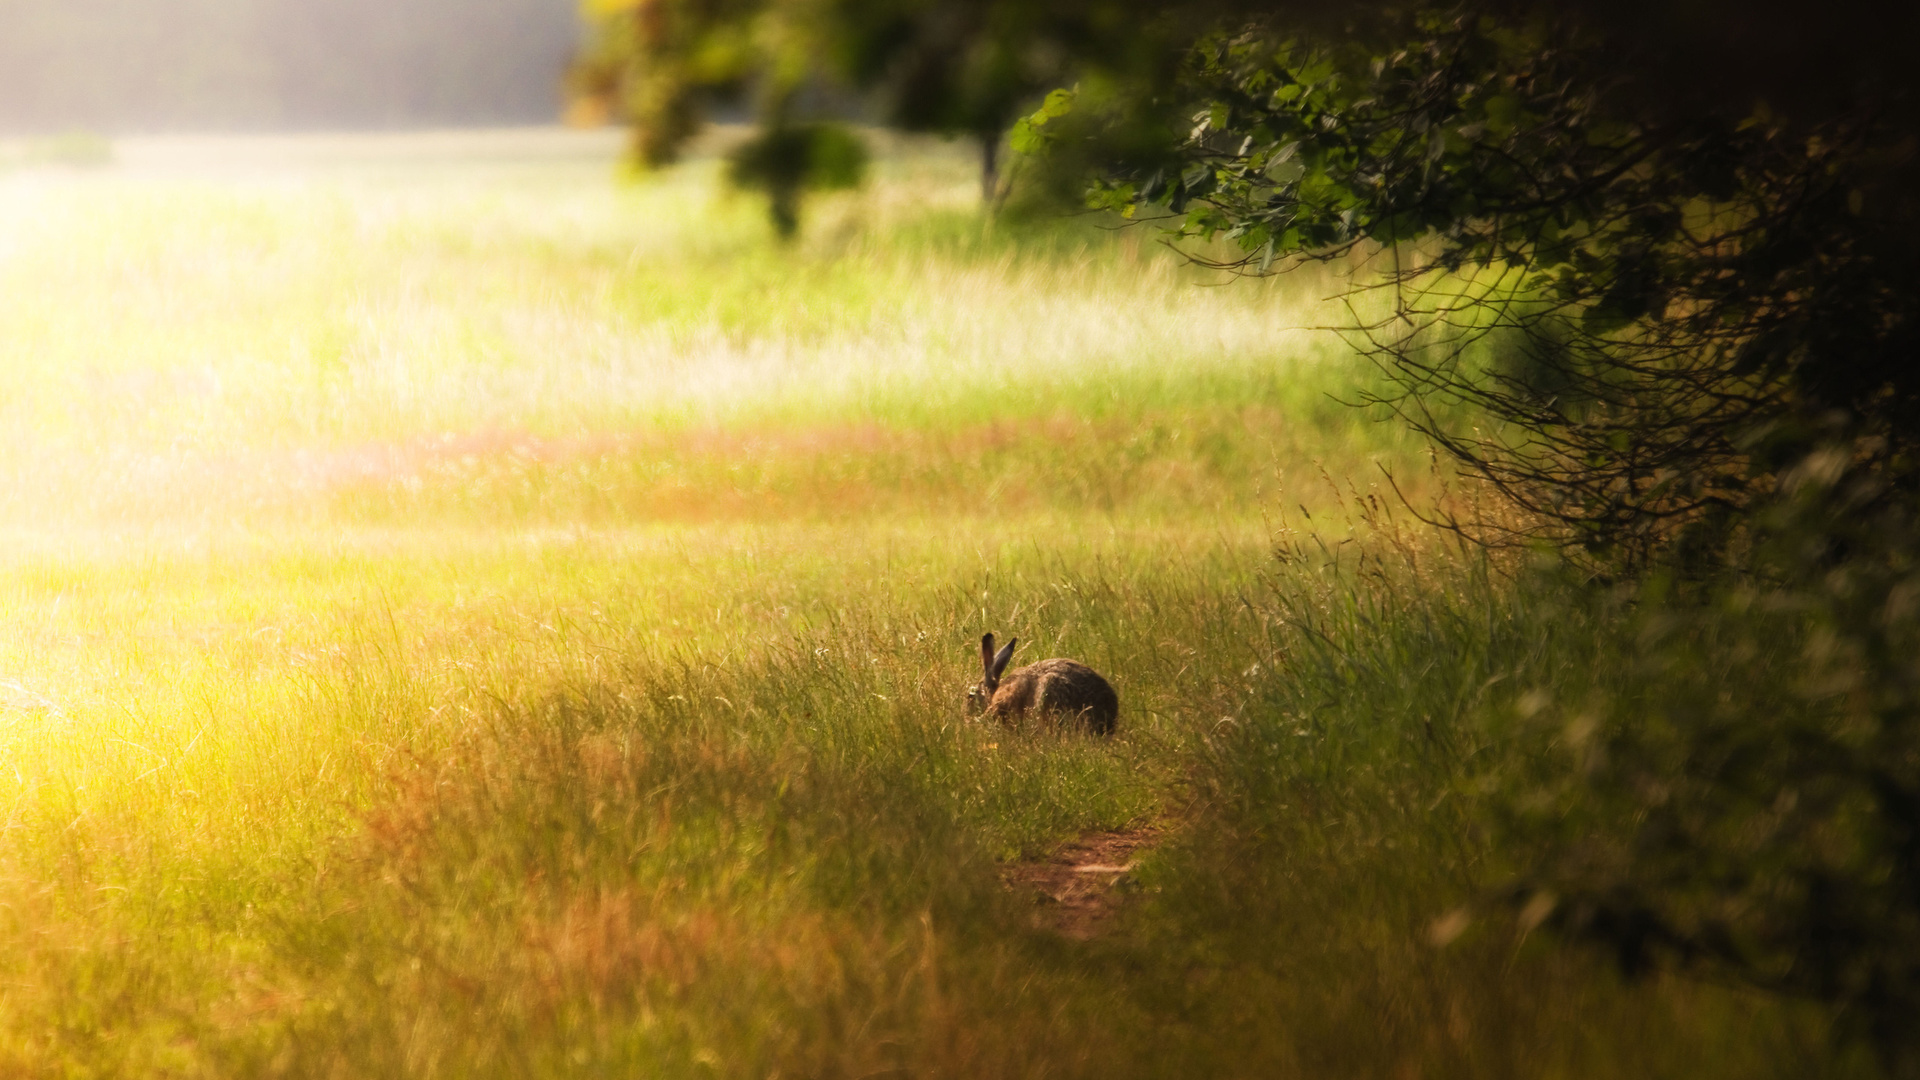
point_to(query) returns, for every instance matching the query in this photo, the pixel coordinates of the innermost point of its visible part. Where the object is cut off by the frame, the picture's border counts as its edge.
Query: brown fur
(1057, 689)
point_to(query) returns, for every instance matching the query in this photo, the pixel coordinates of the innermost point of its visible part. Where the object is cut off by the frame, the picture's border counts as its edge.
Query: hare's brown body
(1059, 690)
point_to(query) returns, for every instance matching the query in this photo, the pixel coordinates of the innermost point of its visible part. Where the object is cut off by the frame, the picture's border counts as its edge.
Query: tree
(952, 67)
(961, 67)
(661, 63)
(1651, 314)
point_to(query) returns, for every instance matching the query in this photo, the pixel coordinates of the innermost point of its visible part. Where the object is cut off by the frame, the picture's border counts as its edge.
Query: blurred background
(118, 67)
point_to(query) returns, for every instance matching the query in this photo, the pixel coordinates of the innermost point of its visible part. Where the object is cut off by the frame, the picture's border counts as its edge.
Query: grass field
(469, 616)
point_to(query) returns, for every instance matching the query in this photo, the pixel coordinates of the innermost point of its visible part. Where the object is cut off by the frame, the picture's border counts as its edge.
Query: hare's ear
(986, 654)
(999, 663)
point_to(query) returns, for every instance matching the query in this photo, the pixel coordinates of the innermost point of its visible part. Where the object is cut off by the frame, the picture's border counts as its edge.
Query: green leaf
(1503, 111)
(1027, 136)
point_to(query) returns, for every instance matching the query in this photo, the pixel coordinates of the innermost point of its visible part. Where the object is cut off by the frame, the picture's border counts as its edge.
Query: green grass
(468, 617)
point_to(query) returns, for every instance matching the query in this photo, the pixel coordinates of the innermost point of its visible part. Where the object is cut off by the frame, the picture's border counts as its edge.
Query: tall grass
(471, 618)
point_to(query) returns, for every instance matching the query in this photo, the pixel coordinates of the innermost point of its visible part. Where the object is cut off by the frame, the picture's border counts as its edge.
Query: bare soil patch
(1077, 890)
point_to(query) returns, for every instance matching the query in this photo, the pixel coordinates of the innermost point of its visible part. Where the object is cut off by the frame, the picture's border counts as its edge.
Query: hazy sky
(127, 66)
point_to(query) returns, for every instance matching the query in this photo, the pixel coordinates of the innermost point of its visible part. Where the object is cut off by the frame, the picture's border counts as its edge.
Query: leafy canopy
(1659, 314)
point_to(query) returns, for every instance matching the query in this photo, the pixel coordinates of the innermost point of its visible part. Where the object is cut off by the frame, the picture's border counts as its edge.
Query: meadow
(470, 614)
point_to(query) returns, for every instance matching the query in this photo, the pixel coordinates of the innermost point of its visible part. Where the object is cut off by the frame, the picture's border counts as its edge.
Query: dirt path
(1077, 890)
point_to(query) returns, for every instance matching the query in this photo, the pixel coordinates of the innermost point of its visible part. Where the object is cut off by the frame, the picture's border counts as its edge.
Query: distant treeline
(124, 66)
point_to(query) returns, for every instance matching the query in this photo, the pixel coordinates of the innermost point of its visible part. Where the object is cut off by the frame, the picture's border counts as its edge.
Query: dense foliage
(1738, 789)
(1650, 318)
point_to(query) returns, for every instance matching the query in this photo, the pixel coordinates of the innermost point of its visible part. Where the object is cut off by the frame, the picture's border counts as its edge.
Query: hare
(1061, 689)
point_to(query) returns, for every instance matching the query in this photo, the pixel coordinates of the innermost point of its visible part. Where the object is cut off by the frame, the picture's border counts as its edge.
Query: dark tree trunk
(990, 168)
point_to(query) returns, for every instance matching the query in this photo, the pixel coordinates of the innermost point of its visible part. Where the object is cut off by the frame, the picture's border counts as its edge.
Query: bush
(1736, 788)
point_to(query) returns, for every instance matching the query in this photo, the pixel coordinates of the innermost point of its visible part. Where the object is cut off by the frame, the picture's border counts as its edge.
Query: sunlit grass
(468, 616)
(182, 337)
